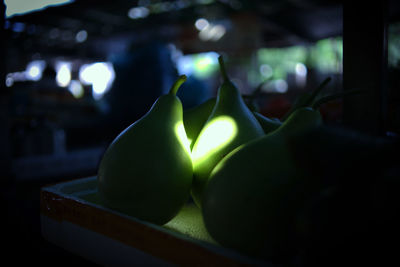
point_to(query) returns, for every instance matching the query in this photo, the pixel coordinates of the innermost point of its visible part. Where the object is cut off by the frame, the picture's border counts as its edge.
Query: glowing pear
(146, 172)
(230, 125)
(253, 194)
(195, 118)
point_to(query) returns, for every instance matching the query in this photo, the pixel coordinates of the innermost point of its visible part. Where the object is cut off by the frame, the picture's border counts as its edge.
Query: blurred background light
(81, 36)
(212, 32)
(34, 70)
(281, 86)
(18, 27)
(138, 12)
(201, 23)
(76, 89)
(301, 69)
(301, 74)
(325, 56)
(266, 70)
(63, 76)
(9, 80)
(276, 86)
(185, 65)
(100, 75)
(217, 32)
(201, 65)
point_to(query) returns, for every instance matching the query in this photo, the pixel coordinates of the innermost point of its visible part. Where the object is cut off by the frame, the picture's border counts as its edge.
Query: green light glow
(190, 141)
(182, 137)
(217, 133)
(202, 63)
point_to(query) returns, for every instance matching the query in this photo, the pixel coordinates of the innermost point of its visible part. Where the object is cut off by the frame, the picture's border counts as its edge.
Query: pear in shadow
(146, 172)
(253, 194)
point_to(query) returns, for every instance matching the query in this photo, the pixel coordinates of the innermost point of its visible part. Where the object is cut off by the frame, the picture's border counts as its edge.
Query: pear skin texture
(195, 118)
(244, 205)
(146, 172)
(266, 123)
(253, 194)
(229, 104)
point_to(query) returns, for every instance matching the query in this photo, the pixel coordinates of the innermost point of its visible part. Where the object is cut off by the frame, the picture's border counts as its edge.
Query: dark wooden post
(5, 147)
(365, 64)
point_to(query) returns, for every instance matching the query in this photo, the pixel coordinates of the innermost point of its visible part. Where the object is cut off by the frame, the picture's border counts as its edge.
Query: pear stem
(328, 98)
(310, 100)
(175, 87)
(222, 68)
(317, 91)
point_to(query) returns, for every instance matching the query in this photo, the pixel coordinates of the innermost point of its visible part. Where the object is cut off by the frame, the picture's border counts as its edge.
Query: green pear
(251, 100)
(195, 118)
(266, 123)
(229, 125)
(253, 193)
(307, 99)
(146, 172)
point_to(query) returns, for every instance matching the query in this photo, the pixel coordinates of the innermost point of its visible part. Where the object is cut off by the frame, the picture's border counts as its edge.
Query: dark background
(48, 136)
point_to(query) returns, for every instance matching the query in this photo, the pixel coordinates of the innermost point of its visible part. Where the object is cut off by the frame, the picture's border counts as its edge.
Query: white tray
(72, 217)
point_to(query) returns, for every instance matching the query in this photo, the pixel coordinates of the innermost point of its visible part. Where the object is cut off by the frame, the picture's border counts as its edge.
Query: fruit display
(195, 118)
(230, 124)
(259, 188)
(289, 190)
(147, 171)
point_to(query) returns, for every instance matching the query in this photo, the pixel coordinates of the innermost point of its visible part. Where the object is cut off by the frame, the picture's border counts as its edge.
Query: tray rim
(153, 239)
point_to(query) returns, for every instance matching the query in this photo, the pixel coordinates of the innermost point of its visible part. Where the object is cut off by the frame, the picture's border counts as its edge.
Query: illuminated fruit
(253, 194)
(230, 125)
(195, 118)
(146, 172)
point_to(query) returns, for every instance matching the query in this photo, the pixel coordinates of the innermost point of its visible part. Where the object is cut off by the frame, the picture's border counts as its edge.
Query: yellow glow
(182, 137)
(189, 141)
(215, 135)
